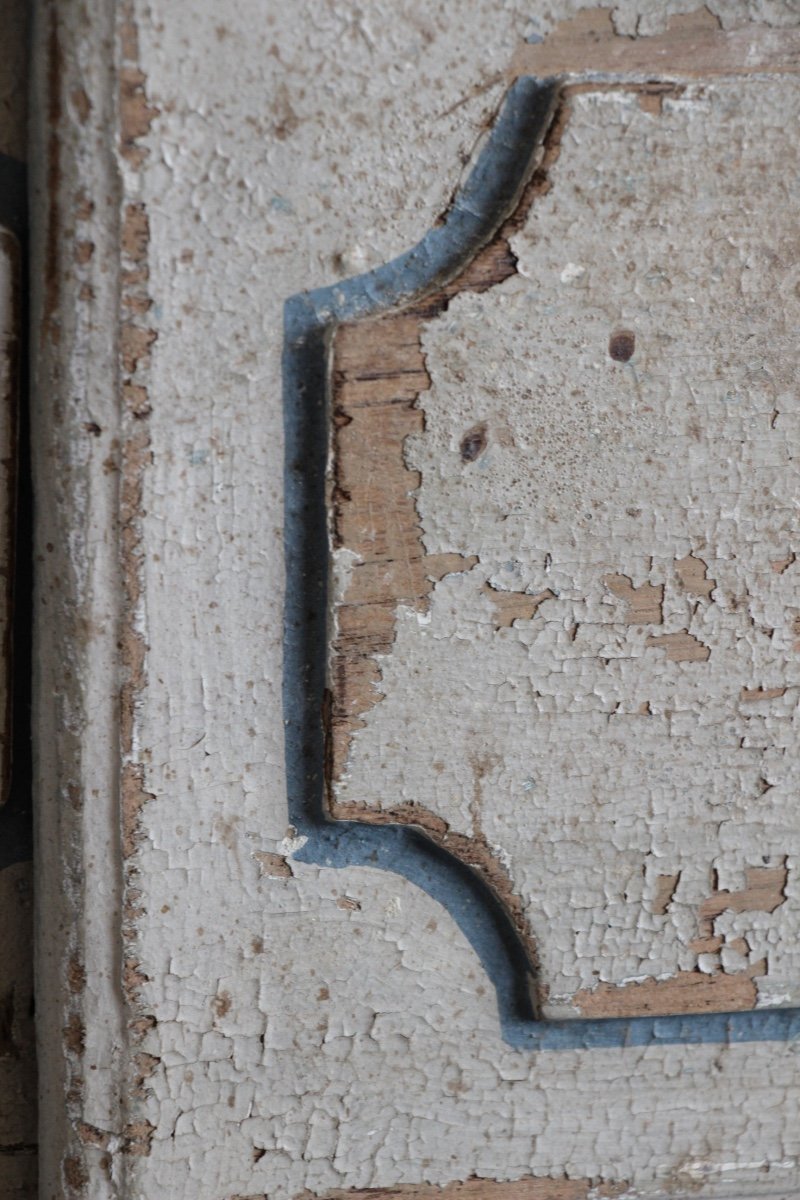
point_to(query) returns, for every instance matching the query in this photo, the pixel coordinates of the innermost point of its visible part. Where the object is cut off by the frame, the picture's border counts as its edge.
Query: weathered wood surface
(693, 45)
(242, 1024)
(605, 437)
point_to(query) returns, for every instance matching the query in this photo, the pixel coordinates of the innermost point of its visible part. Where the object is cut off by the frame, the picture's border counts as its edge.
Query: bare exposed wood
(515, 606)
(484, 1189)
(693, 47)
(665, 890)
(643, 603)
(752, 695)
(378, 375)
(764, 891)
(693, 574)
(686, 992)
(680, 647)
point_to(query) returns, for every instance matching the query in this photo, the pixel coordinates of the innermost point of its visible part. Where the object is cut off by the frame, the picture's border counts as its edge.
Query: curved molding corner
(488, 197)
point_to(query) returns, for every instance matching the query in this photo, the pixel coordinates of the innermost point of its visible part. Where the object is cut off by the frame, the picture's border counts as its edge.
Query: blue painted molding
(486, 199)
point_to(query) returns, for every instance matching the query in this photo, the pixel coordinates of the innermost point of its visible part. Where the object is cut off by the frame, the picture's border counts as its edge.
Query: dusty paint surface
(285, 1029)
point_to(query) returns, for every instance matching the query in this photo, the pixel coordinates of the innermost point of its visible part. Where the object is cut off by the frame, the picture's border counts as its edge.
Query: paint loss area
(566, 593)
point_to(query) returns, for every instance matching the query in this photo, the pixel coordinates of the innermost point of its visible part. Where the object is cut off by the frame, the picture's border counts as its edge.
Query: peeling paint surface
(641, 721)
(295, 1030)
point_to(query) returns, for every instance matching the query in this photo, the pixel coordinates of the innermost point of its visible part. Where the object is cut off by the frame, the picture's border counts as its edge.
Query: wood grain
(692, 47)
(541, 1188)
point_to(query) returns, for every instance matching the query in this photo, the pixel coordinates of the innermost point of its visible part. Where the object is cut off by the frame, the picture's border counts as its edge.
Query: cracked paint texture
(310, 1030)
(643, 720)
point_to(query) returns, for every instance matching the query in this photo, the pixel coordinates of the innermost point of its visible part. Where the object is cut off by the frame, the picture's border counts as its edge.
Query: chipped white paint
(571, 739)
(324, 1029)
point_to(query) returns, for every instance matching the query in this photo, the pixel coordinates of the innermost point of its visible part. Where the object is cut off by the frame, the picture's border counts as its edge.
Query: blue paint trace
(486, 199)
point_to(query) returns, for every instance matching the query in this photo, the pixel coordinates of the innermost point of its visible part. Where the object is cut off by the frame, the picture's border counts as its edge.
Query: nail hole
(622, 344)
(473, 443)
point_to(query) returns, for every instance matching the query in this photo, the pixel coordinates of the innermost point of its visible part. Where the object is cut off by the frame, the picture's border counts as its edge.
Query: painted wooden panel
(243, 998)
(565, 527)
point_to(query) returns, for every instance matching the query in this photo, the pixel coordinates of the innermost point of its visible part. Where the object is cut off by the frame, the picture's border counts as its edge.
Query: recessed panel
(566, 590)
